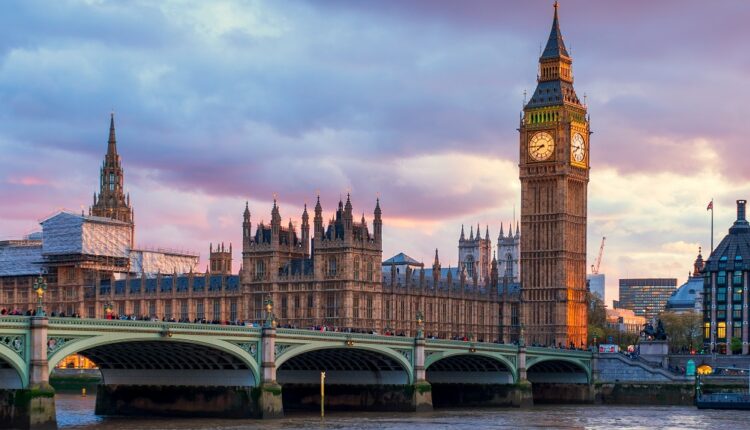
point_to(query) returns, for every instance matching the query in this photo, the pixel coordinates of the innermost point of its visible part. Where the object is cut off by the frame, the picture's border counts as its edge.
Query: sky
(417, 102)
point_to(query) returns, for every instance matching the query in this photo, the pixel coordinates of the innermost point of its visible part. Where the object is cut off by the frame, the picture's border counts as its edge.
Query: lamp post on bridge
(422, 388)
(108, 310)
(40, 287)
(270, 321)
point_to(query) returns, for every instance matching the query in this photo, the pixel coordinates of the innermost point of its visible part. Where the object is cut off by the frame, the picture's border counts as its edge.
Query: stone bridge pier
(31, 405)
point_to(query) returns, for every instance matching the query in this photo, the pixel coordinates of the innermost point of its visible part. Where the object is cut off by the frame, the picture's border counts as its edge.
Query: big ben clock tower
(554, 173)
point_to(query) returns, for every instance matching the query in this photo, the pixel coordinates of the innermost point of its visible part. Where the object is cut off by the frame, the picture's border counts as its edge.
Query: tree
(736, 345)
(683, 330)
(597, 319)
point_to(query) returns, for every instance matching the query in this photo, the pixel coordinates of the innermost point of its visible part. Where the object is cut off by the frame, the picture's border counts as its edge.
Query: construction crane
(595, 266)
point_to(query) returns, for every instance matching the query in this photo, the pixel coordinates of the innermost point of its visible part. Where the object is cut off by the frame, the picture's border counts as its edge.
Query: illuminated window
(722, 332)
(707, 330)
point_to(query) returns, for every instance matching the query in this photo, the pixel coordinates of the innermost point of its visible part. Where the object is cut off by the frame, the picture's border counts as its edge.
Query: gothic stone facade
(335, 279)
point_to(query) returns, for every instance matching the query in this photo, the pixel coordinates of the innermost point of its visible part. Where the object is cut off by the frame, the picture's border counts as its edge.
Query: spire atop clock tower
(555, 77)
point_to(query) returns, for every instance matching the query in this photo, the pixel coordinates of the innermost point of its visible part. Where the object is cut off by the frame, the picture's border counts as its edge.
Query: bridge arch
(373, 364)
(558, 370)
(153, 359)
(464, 367)
(13, 369)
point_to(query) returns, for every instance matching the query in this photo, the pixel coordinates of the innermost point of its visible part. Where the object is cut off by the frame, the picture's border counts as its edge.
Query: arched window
(260, 269)
(469, 264)
(356, 268)
(369, 271)
(331, 266)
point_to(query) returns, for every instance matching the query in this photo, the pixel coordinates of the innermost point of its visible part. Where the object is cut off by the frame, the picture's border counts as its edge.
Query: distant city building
(725, 301)
(596, 285)
(625, 321)
(689, 297)
(647, 297)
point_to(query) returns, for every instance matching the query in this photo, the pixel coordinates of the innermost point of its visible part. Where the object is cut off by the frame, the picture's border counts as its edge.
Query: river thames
(76, 412)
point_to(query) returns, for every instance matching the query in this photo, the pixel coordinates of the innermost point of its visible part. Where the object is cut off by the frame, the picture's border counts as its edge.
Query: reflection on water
(74, 411)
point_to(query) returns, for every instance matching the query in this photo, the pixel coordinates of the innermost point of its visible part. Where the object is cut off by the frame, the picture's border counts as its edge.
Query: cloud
(418, 102)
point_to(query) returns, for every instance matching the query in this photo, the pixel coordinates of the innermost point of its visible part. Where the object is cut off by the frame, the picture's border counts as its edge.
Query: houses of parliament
(331, 273)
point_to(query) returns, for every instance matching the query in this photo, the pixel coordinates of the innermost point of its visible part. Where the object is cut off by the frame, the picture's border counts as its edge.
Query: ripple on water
(76, 412)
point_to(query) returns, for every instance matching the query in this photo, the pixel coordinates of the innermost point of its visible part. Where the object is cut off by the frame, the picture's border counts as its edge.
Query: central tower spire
(111, 201)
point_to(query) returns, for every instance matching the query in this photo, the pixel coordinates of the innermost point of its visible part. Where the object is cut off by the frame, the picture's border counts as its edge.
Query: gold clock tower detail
(554, 173)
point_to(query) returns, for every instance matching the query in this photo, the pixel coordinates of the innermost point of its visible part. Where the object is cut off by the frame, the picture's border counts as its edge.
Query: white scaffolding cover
(151, 262)
(20, 257)
(67, 233)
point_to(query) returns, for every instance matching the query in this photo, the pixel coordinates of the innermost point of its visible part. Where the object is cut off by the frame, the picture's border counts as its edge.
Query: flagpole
(712, 226)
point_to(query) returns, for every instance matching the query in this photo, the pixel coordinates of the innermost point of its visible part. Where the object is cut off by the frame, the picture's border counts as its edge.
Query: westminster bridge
(152, 367)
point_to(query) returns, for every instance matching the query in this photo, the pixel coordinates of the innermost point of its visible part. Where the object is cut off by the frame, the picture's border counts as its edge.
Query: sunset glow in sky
(418, 102)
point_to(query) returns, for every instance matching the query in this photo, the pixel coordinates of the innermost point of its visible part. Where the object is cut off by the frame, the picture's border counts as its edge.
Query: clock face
(541, 146)
(578, 148)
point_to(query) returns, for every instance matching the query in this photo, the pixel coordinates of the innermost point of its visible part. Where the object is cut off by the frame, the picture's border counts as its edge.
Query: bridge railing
(489, 346)
(56, 322)
(15, 320)
(340, 335)
(558, 351)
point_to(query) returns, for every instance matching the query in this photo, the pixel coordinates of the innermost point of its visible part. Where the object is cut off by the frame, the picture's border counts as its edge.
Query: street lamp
(39, 287)
(269, 313)
(108, 310)
(420, 324)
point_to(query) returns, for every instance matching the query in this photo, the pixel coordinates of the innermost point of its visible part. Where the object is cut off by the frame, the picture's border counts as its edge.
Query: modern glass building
(725, 314)
(646, 297)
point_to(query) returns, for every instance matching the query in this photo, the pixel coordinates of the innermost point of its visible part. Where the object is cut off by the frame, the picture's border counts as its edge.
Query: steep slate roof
(400, 259)
(555, 45)
(734, 248)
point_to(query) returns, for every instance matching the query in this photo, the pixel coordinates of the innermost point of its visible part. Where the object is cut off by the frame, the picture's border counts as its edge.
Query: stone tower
(111, 202)
(508, 249)
(475, 254)
(554, 174)
(220, 259)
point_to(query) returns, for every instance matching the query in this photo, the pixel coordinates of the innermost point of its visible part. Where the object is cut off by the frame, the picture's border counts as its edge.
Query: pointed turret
(510, 231)
(463, 237)
(518, 230)
(487, 232)
(471, 233)
(306, 231)
(500, 236)
(698, 265)
(378, 222)
(318, 221)
(246, 227)
(112, 142)
(479, 232)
